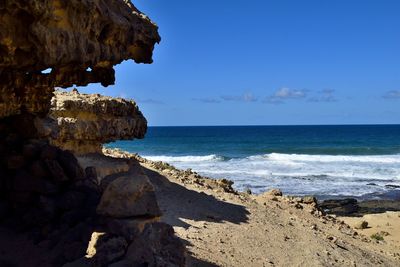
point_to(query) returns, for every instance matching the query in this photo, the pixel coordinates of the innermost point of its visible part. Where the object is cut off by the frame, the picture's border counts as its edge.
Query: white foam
(298, 173)
(327, 158)
(172, 159)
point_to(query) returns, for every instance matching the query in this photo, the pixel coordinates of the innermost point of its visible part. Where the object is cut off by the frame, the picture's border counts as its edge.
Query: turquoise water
(327, 161)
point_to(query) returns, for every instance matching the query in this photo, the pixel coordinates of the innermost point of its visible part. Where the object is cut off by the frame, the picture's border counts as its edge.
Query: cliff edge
(83, 122)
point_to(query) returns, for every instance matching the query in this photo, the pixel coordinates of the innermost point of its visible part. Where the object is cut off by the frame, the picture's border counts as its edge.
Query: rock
(128, 228)
(37, 35)
(70, 165)
(74, 250)
(129, 196)
(104, 248)
(49, 152)
(340, 207)
(361, 225)
(309, 200)
(15, 162)
(392, 186)
(30, 151)
(91, 173)
(86, 121)
(38, 169)
(25, 182)
(56, 171)
(273, 193)
(156, 246)
(71, 200)
(123, 263)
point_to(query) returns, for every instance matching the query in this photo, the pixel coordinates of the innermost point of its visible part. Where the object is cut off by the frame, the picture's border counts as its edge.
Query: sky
(267, 62)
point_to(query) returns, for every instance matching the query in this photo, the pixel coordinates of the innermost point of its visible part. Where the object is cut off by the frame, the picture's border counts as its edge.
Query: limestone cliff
(86, 121)
(80, 41)
(54, 210)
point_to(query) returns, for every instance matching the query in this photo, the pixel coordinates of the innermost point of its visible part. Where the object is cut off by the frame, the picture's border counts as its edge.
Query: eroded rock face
(69, 37)
(129, 196)
(83, 122)
(47, 199)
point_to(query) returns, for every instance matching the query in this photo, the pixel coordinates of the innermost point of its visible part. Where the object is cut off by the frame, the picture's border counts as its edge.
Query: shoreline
(386, 198)
(345, 217)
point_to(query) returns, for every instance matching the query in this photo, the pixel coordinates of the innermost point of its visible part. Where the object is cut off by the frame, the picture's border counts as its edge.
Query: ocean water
(326, 161)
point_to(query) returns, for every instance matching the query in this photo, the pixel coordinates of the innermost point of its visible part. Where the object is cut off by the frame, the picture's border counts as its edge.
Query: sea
(335, 161)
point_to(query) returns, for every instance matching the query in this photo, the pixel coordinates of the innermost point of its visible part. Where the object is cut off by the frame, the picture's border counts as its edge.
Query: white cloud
(284, 93)
(247, 97)
(393, 94)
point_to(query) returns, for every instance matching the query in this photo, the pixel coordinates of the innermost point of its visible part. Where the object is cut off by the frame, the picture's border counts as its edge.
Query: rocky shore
(223, 227)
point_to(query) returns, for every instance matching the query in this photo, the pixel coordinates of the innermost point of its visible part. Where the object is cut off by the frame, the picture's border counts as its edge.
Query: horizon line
(255, 125)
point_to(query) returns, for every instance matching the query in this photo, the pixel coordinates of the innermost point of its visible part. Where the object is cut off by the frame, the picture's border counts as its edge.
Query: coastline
(223, 227)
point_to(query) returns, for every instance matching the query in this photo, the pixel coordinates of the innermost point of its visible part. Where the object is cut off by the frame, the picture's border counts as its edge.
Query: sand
(226, 229)
(385, 224)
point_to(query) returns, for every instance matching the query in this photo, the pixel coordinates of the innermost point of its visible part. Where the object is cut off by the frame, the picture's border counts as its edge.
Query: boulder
(361, 225)
(156, 246)
(105, 248)
(129, 196)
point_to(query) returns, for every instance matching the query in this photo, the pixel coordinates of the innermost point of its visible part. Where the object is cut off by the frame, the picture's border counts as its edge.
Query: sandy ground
(226, 229)
(385, 224)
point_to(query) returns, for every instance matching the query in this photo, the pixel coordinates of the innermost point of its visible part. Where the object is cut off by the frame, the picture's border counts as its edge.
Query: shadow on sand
(178, 202)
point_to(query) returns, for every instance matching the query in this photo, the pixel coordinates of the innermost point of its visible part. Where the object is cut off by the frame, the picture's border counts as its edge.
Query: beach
(222, 227)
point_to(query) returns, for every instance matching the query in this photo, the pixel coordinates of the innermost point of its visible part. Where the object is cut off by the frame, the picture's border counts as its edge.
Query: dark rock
(309, 199)
(88, 185)
(340, 207)
(15, 162)
(156, 246)
(30, 151)
(74, 250)
(70, 165)
(75, 216)
(38, 169)
(91, 173)
(128, 228)
(394, 186)
(4, 210)
(56, 171)
(49, 152)
(71, 200)
(105, 248)
(23, 198)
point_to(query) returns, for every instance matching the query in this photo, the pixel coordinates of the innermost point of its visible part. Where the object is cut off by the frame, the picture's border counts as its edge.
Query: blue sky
(268, 62)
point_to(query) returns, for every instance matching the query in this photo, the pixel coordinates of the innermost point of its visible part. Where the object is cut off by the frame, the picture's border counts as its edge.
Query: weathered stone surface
(341, 207)
(104, 248)
(129, 228)
(69, 37)
(129, 196)
(156, 246)
(83, 122)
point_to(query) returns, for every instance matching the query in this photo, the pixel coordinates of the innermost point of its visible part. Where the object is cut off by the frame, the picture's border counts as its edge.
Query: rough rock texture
(83, 122)
(69, 37)
(48, 202)
(129, 196)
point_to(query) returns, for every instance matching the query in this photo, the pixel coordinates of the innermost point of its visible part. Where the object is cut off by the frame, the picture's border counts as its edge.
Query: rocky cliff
(80, 41)
(54, 209)
(83, 122)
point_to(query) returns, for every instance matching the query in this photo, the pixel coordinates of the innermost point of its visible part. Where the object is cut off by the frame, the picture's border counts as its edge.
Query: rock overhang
(80, 41)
